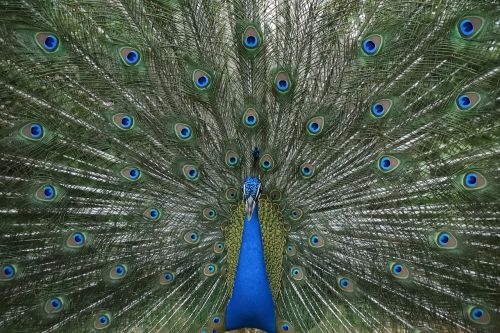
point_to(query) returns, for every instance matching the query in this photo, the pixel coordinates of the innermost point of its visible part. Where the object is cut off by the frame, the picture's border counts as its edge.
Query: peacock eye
(381, 108)
(47, 41)
(192, 237)
(250, 118)
(315, 125)
(152, 214)
(307, 170)
(297, 273)
(388, 163)
(46, 192)
(118, 272)
(7, 272)
(372, 44)
(76, 240)
(102, 321)
(210, 269)
(219, 247)
(33, 131)
(131, 173)
(478, 315)
(251, 38)
(282, 82)
(473, 181)
(201, 79)
(167, 278)
(209, 213)
(445, 240)
(183, 131)
(232, 159)
(123, 121)
(316, 241)
(469, 27)
(467, 101)
(345, 284)
(190, 172)
(266, 162)
(130, 56)
(54, 305)
(399, 270)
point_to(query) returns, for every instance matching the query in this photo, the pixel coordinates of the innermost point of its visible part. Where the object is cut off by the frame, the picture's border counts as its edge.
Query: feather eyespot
(47, 41)
(131, 173)
(190, 172)
(399, 270)
(307, 170)
(33, 131)
(387, 163)
(468, 27)
(275, 195)
(210, 269)
(251, 38)
(119, 271)
(7, 272)
(192, 237)
(473, 181)
(123, 121)
(46, 192)
(54, 305)
(381, 108)
(296, 214)
(478, 314)
(201, 79)
(345, 284)
(209, 213)
(102, 321)
(130, 56)
(315, 125)
(285, 327)
(250, 118)
(232, 159)
(266, 162)
(231, 194)
(445, 240)
(219, 247)
(291, 250)
(183, 131)
(282, 82)
(152, 214)
(372, 44)
(467, 101)
(316, 241)
(76, 240)
(297, 273)
(167, 278)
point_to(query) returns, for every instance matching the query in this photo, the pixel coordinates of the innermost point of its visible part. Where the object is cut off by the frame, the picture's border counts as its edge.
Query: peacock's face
(251, 192)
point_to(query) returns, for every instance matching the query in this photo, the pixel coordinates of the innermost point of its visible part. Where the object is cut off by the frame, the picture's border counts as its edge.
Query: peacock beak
(249, 207)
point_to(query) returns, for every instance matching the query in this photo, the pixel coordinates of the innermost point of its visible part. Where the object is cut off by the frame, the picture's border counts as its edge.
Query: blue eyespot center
(50, 43)
(471, 179)
(251, 42)
(55, 303)
(251, 120)
(369, 46)
(216, 320)
(120, 270)
(134, 173)
(306, 171)
(185, 132)
(344, 282)
(168, 277)
(202, 81)
(126, 122)
(78, 238)
(103, 319)
(36, 131)
(314, 239)
(194, 236)
(132, 57)
(443, 238)
(211, 269)
(385, 163)
(193, 173)
(295, 271)
(464, 102)
(266, 164)
(49, 191)
(154, 213)
(8, 271)
(378, 110)
(314, 127)
(397, 269)
(477, 313)
(285, 327)
(232, 160)
(466, 27)
(282, 85)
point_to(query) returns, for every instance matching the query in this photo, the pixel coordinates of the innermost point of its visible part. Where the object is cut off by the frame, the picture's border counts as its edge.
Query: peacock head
(251, 192)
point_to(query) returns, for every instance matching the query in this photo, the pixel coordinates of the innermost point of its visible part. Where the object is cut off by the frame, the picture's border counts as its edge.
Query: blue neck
(251, 305)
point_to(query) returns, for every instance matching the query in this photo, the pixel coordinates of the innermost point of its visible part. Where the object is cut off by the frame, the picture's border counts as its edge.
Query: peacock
(279, 166)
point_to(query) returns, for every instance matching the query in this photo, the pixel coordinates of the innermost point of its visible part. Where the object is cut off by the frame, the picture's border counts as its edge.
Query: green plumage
(126, 133)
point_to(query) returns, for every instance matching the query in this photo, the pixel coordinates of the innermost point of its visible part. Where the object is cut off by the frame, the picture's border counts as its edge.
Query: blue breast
(252, 303)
